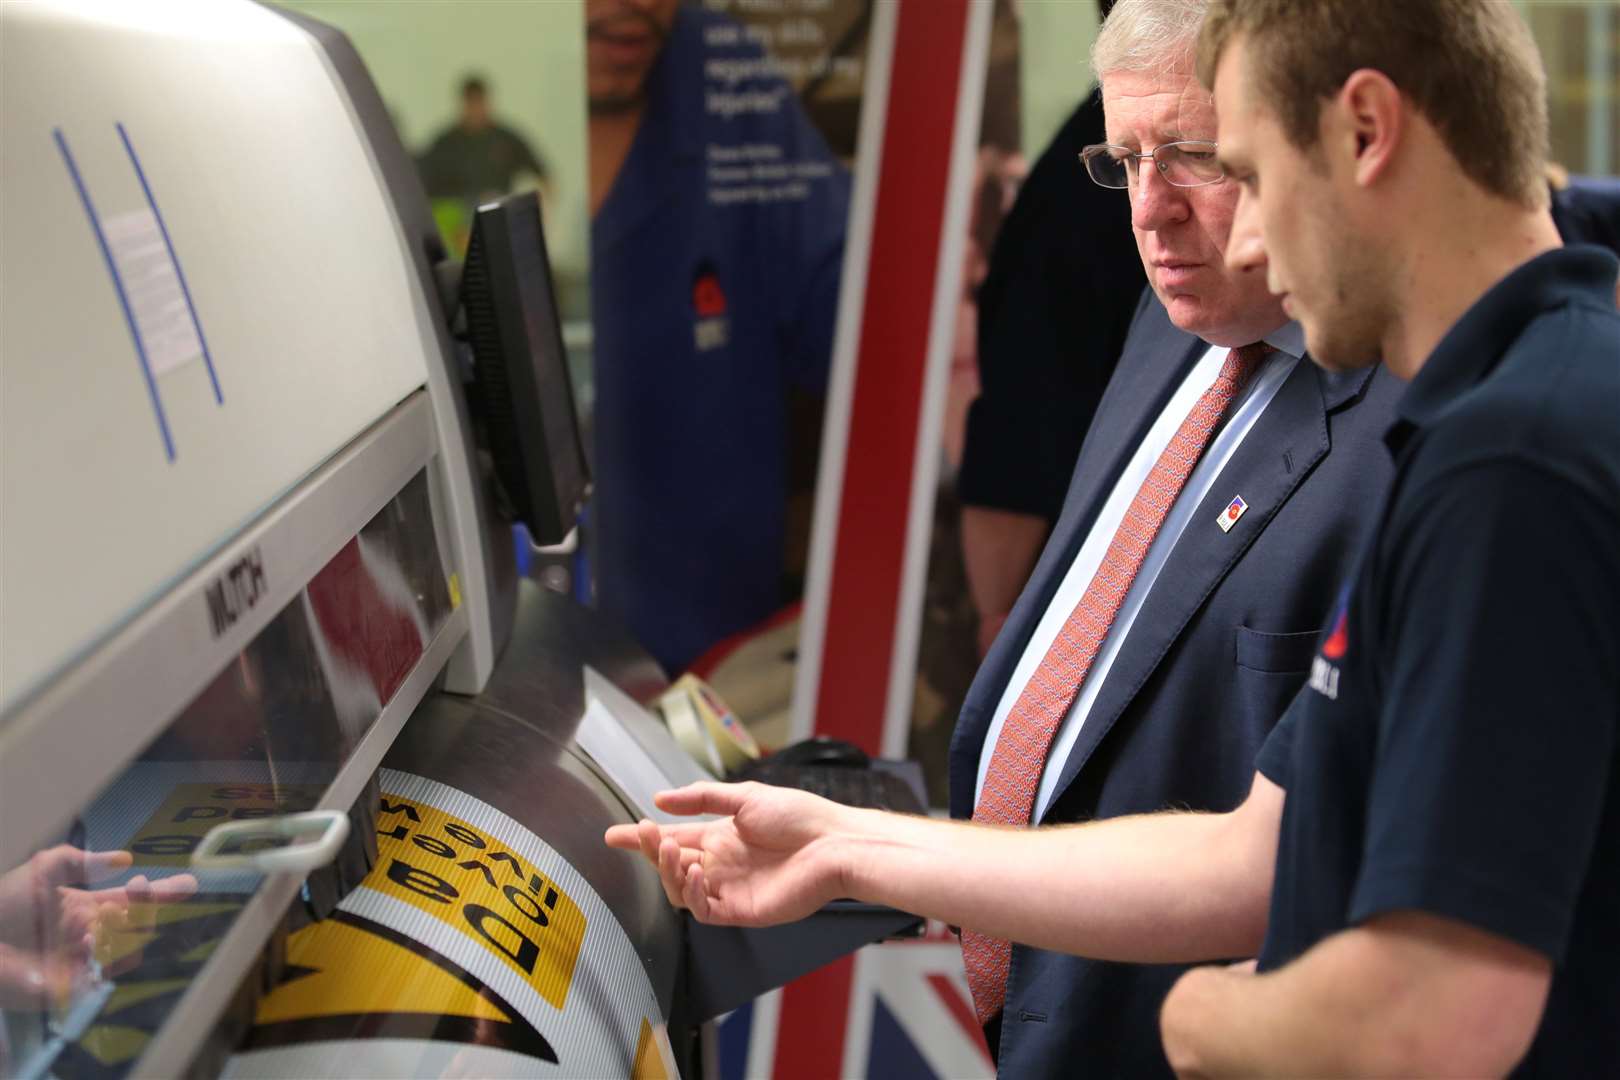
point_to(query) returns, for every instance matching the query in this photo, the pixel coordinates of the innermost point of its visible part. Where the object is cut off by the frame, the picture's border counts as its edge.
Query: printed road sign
(465, 948)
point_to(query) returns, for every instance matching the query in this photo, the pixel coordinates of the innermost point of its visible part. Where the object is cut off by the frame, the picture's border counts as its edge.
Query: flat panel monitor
(521, 396)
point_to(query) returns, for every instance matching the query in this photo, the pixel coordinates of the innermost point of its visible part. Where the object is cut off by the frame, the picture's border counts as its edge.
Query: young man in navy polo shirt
(1428, 862)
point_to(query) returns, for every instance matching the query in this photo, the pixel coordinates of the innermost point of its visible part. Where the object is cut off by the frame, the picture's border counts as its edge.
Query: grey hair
(1148, 36)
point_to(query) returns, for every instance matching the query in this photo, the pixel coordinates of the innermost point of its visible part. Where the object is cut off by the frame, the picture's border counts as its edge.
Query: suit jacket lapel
(1282, 448)
(1154, 364)
(1142, 385)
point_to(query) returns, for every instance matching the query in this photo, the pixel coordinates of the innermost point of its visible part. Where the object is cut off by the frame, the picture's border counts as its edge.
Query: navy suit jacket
(1222, 643)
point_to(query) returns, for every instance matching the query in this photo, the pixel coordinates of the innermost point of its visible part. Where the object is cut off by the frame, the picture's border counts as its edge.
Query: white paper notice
(152, 284)
(605, 734)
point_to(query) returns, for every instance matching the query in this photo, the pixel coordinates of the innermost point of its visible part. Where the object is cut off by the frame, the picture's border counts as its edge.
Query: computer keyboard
(852, 785)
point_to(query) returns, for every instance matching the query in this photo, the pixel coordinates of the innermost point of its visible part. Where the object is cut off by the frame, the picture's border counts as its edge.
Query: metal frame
(93, 720)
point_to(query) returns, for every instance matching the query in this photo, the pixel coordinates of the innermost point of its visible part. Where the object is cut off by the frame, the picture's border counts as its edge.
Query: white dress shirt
(1274, 371)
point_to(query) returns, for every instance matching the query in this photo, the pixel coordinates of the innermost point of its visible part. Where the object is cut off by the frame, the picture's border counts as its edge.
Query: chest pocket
(1281, 654)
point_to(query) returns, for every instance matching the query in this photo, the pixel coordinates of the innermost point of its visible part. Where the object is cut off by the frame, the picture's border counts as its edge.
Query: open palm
(768, 861)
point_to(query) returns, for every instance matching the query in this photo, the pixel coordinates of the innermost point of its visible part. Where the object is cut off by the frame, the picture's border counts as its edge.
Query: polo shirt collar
(669, 134)
(1474, 345)
(675, 88)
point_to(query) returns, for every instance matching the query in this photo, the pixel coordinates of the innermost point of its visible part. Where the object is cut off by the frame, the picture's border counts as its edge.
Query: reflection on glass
(65, 935)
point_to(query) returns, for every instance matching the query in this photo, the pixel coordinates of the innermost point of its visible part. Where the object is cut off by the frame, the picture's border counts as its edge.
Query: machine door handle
(323, 830)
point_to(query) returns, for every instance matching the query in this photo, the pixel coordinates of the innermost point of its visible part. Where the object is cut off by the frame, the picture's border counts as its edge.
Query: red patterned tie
(1020, 752)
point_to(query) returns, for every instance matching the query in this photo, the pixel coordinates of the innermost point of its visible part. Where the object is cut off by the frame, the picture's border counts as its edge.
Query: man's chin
(1339, 354)
(615, 104)
(1186, 310)
(1194, 315)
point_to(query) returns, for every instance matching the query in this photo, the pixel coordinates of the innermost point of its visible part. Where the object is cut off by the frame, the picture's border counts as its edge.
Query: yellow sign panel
(353, 978)
(351, 970)
(649, 1063)
(468, 879)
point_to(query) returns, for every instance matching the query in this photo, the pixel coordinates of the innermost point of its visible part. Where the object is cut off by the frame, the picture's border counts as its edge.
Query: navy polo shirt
(715, 263)
(1457, 747)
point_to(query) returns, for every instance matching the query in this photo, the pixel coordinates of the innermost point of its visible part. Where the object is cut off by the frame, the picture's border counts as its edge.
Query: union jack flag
(899, 1009)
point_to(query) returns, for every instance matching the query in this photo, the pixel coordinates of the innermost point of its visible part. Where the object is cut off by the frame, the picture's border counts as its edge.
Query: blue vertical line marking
(140, 174)
(118, 286)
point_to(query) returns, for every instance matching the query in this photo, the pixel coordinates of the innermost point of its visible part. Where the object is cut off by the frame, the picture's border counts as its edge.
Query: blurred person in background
(477, 158)
(713, 303)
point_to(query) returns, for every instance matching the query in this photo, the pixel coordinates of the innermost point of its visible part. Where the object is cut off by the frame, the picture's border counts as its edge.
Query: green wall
(1055, 65)
(533, 54)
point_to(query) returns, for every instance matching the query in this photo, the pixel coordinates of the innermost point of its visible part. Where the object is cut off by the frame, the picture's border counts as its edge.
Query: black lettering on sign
(514, 943)
(434, 846)
(474, 864)
(233, 593)
(528, 906)
(401, 807)
(460, 832)
(514, 866)
(421, 882)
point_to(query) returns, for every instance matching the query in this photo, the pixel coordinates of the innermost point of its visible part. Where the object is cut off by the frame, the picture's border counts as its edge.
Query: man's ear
(1370, 115)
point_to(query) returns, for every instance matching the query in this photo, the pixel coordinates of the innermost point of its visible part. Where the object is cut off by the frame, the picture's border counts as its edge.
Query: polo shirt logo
(711, 327)
(1333, 648)
(1325, 675)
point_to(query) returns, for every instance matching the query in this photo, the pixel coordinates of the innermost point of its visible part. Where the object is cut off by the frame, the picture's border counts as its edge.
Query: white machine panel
(210, 355)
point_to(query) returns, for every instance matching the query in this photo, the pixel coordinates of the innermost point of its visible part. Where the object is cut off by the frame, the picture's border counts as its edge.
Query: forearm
(1152, 889)
(999, 549)
(1397, 998)
(1219, 1023)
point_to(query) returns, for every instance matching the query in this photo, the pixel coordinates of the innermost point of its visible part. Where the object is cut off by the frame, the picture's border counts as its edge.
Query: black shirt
(1057, 300)
(477, 165)
(1457, 748)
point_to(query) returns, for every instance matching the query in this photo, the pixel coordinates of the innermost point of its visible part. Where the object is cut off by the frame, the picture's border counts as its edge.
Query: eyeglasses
(1190, 163)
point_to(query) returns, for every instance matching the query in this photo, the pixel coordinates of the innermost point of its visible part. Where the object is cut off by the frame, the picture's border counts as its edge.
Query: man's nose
(1245, 246)
(1156, 202)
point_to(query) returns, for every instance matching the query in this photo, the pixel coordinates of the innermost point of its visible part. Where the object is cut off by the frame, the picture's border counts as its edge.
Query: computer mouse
(821, 751)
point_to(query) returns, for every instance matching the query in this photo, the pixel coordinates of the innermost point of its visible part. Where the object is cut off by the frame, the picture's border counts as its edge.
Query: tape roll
(735, 745)
(682, 719)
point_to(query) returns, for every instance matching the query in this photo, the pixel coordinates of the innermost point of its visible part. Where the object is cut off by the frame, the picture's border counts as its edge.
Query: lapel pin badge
(1233, 511)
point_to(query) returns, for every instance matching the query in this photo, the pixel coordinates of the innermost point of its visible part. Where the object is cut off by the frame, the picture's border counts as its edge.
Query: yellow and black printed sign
(462, 947)
(467, 878)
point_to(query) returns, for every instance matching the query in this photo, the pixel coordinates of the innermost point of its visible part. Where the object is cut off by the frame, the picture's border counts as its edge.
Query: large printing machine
(296, 777)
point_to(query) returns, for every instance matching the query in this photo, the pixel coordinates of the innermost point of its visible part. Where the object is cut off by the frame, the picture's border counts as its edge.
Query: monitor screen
(521, 396)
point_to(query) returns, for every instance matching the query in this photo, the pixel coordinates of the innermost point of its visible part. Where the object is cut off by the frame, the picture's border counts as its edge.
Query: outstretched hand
(771, 859)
